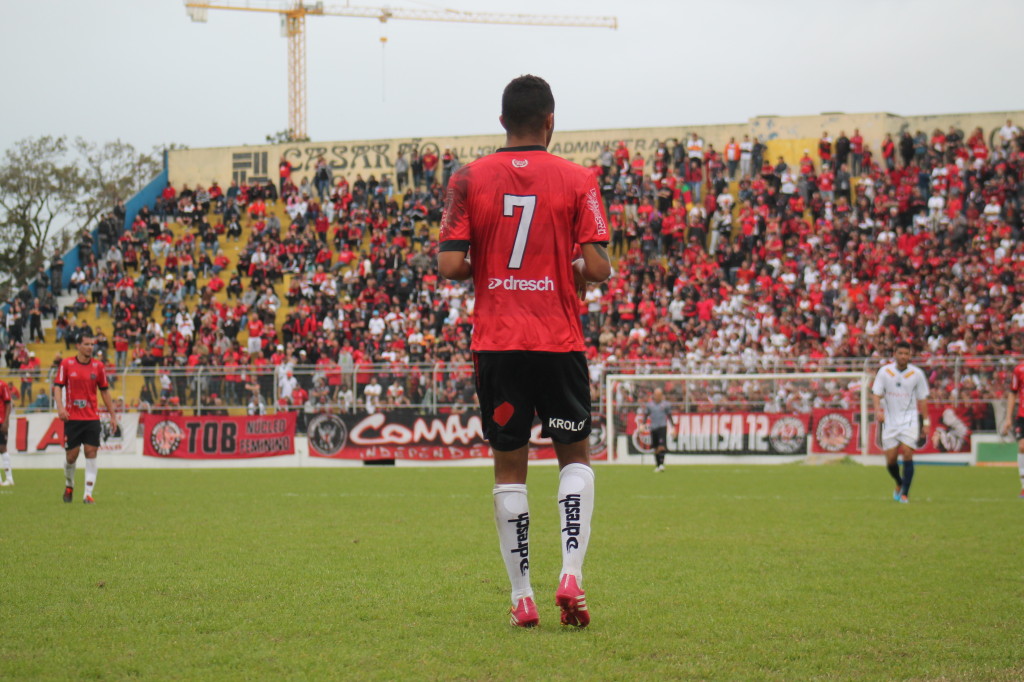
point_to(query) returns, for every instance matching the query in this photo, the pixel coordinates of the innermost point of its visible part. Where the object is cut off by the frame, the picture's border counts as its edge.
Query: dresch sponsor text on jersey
(515, 284)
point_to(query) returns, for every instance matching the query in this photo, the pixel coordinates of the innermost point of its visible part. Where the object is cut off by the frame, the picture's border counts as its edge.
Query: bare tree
(112, 172)
(51, 189)
(40, 191)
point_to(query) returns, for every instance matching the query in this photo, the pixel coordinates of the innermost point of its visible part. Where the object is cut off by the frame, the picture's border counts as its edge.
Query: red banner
(408, 435)
(218, 437)
(836, 431)
(839, 431)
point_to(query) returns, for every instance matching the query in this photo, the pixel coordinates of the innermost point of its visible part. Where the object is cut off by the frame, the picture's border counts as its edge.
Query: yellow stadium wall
(785, 136)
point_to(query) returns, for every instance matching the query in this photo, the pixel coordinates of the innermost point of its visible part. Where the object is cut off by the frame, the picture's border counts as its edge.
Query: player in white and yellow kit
(900, 394)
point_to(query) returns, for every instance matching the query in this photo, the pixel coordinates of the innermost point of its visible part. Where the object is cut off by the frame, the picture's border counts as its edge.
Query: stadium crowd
(717, 255)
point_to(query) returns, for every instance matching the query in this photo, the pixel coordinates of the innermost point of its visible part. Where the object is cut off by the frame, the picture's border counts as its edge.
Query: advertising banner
(408, 435)
(43, 432)
(218, 437)
(838, 431)
(726, 433)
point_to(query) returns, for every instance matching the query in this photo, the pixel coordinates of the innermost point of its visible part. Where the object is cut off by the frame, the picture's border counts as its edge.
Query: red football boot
(573, 602)
(524, 613)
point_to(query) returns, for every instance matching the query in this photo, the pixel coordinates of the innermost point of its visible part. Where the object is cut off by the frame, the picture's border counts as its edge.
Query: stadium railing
(963, 381)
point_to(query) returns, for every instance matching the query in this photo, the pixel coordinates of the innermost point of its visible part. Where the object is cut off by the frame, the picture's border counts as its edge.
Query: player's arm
(454, 235)
(454, 264)
(1011, 402)
(922, 409)
(595, 266)
(58, 400)
(104, 393)
(879, 412)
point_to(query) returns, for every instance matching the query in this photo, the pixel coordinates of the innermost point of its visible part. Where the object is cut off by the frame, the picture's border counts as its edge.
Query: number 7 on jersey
(528, 204)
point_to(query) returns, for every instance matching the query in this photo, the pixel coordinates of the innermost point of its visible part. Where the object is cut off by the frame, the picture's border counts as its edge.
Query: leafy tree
(284, 137)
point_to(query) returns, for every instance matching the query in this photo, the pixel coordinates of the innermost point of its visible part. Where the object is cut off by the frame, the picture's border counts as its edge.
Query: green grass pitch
(718, 573)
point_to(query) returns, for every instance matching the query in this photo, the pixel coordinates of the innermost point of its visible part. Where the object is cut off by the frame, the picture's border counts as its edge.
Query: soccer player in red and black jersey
(1015, 418)
(520, 214)
(74, 393)
(6, 407)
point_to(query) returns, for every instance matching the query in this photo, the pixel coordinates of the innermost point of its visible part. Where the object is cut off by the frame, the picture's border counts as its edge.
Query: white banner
(43, 432)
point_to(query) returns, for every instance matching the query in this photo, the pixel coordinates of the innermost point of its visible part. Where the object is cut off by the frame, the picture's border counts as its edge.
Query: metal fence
(449, 386)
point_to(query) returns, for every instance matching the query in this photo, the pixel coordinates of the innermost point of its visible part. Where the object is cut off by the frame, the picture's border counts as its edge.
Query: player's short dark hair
(903, 344)
(525, 104)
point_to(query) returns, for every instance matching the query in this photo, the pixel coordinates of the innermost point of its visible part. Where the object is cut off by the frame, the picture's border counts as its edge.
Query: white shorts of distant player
(903, 433)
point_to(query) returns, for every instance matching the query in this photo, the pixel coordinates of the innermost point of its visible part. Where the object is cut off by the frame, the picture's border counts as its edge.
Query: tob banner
(218, 437)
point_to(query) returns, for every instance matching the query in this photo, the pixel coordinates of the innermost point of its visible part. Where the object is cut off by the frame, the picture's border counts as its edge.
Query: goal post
(768, 417)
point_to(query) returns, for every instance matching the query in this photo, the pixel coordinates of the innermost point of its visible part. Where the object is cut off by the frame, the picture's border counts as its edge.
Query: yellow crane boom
(293, 26)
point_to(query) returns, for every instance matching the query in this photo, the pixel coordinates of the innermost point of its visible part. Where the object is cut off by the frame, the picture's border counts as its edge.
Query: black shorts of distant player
(658, 438)
(1018, 428)
(81, 432)
(512, 386)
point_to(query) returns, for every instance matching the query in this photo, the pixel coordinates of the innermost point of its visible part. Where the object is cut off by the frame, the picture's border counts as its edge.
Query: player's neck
(519, 141)
(83, 359)
(902, 367)
(537, 138)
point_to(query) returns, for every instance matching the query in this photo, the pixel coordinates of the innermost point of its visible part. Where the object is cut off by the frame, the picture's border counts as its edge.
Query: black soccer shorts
(1018, 428)
(513, 386)
(659, 437)
(81, 432)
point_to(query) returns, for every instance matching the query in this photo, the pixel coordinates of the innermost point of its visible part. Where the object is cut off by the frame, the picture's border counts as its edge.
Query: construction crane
(293, 27)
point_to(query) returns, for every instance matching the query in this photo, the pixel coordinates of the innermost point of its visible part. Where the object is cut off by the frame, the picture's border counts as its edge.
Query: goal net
(760, 417)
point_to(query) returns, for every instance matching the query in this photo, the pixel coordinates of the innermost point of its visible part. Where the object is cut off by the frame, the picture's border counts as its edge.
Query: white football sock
(69, 473)
(90, 474)
(512, 518)
(6, 458)
(1020, 469)
(575, 507)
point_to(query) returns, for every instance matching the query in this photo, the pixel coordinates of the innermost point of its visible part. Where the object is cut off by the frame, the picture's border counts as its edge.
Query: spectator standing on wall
(757, 155)
(448, 164)
(284, 171)
(732, 157)
(322, 178)
(401, 172)
(429, 168)
(856, 152)
(825, 148)
(695, 150)
(746, 156)
(842, 149)
(416, 165)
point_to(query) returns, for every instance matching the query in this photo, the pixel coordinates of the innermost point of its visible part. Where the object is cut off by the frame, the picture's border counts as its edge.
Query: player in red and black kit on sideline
(6, 407)
(521, 214)
(1015, 418)
(74, 393)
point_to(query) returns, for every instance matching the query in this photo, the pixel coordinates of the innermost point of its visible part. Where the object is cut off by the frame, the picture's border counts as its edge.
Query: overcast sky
(143, 72)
